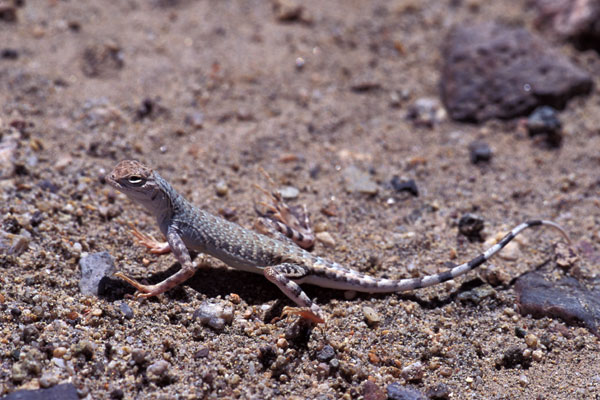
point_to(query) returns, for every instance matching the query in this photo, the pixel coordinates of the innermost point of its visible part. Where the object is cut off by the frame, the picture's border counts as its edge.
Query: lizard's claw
(143, 291)
(153, 245)
(302, 313)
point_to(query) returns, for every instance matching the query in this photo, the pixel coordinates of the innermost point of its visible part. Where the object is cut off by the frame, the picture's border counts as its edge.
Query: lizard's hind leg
(282, 275)
(279, 220)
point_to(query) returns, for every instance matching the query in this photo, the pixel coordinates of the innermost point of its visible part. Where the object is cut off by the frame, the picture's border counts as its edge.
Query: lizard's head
(134, 179)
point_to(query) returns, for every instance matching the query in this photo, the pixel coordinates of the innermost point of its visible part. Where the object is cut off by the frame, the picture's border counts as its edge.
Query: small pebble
(409, 185)
(523, 381)
(325, 238)
(126, 310)
(566, 257)
(214, 315)
(12, 244)
(158, 371)
(195, 119)
(84, 348)
(221, 188)
(358, 181)
(544, 121)
(372, 316)
(396, 391)
(326, 353)
(426, 112)
(471, 226)
(48, 380)
(323, 370)
(371, 391)
(537, 355)
(439, 392)
(413, 372)
(288, 192)
(94, 267)
(58, 352)
(531, 340)
(139, 356)
(480, 152)
(282, 343)
(201, 353)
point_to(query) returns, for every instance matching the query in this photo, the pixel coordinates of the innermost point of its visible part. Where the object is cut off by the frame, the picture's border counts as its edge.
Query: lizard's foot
(305, 313)
(292, 222)
(153, 245)
(143, 291)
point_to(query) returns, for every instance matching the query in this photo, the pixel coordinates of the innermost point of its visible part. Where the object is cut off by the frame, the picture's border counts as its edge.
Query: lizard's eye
(135, 180)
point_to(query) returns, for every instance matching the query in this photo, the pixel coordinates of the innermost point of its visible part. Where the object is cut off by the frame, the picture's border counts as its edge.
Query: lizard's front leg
(281, 276)
(188, 268)
(153, 245)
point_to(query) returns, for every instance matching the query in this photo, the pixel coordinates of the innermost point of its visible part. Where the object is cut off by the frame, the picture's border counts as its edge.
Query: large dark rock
(494, 71)
(566, 299)
(65, 391)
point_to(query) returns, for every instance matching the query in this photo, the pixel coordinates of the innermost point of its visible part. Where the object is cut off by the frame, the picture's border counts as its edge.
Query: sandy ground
(211, 91)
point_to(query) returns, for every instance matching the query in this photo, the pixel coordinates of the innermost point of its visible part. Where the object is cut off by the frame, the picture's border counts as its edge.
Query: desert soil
(210, 92)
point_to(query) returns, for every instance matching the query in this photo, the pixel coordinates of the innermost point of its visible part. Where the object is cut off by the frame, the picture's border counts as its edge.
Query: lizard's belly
(234, 260)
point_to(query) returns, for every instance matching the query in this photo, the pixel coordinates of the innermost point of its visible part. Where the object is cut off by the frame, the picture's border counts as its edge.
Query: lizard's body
(188, 228)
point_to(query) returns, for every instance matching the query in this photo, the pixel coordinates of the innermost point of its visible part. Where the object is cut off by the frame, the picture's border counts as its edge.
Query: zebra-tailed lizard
(279, 260)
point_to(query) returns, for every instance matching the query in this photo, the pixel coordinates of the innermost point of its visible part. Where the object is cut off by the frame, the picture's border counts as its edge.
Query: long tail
(364, 283)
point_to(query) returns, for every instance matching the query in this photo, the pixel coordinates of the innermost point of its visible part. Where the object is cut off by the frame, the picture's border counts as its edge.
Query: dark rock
(480, 152)
(202, 353)
(544, 121)
(65, 391)
(126, 310)
(400, 185)
(578, 21)
(30, 333)
(494, 71)
(102, 60)
(291, 11)
(471, 226)
(94, 267)
(8, 11)
(9, 54)
(439, 392)
(117, 394)
(567, 299)
(83, 348)
(11, 225)
(371, 391)
(266, 356)
(36, 218)
(396, 391)
(513, 357)
(326, 353)
(365, 83)
(150, 108)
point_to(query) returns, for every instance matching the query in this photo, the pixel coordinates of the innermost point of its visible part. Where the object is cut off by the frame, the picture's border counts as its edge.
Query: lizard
(188, 228)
